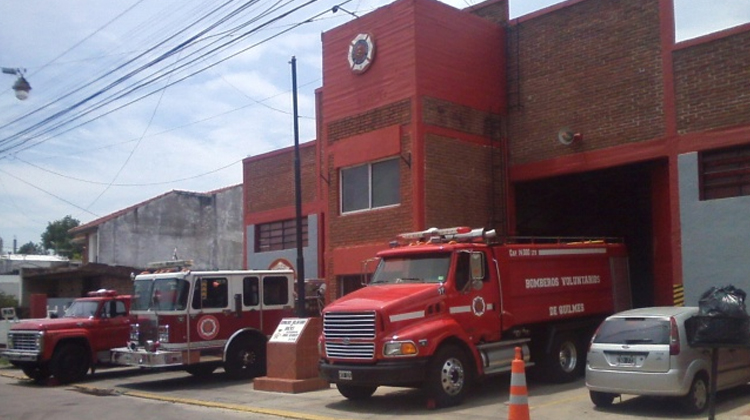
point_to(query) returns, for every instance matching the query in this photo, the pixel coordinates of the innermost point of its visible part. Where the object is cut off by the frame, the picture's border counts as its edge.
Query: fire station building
(582, 119)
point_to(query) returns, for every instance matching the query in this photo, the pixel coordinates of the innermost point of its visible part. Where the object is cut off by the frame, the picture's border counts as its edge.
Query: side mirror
(476, 263)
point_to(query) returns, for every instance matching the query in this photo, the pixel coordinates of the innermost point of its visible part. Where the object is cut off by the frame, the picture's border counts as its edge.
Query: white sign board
(289, 330)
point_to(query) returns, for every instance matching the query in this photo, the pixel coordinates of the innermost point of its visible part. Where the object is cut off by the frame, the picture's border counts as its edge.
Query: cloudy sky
(134, 98)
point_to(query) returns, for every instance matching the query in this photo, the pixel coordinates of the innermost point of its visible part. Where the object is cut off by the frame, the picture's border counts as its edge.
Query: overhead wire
(253, 30)
(134, 88)
(117, 81)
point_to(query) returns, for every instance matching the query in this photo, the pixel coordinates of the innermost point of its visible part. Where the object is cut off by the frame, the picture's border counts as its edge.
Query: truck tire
(602, 399)
(449, 376)
(245, 358)
(565, 361)
(36, 372)
(70, 362)
(696, 399)
(201, 369)
(356, 392)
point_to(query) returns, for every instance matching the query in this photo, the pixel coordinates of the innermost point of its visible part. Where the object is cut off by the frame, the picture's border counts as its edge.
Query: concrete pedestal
(293, 367)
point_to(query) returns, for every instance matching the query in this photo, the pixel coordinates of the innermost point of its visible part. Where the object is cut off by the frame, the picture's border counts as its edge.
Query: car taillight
(674, 338)
(593, 337)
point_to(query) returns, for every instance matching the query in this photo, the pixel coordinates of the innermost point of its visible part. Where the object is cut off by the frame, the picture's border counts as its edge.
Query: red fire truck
(447, 306)
(200, 320)
(67, 347)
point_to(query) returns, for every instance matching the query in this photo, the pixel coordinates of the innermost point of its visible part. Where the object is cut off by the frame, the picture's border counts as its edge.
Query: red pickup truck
(66, 348)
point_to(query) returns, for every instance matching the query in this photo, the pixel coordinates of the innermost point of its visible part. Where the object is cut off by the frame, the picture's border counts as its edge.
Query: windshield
(430, 268)
(170, 294)
(81, 309)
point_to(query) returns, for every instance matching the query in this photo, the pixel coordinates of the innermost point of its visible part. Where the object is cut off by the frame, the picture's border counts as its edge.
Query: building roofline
(95, 223)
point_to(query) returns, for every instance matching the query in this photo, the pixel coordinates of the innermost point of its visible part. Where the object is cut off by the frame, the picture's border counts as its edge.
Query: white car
(646, 352)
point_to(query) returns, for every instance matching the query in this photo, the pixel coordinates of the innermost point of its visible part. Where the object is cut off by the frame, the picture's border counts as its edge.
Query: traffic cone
(519, 398)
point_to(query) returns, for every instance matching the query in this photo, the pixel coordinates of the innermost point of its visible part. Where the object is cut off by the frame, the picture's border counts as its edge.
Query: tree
(7, 301)
(57, 237)
(31, 248)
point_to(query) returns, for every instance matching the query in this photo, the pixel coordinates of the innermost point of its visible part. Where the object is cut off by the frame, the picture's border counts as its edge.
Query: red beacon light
(103, 293)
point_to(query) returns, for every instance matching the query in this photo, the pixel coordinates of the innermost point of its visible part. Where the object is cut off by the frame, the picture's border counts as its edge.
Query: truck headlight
(164, 333)
(400, 348)
(39, 342)
(134, 328)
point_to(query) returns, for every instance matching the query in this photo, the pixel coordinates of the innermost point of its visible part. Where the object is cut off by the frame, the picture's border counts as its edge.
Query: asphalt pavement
(488, 400)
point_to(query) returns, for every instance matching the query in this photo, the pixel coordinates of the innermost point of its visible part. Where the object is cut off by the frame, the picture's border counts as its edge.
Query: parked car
(646, 352)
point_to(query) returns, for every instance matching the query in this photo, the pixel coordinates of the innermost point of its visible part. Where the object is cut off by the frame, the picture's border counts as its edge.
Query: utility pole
(301, 308)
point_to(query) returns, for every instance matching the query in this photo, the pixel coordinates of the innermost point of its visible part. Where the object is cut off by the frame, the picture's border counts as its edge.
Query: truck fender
(79, 336)
(251, 332)
(436, 332)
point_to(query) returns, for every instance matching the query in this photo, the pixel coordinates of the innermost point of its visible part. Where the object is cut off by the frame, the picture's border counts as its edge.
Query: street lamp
(21, 86)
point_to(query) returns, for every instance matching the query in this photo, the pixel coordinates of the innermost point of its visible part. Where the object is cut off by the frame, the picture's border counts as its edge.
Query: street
(115, 394)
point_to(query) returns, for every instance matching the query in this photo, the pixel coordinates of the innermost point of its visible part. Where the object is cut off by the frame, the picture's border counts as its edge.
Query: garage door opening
(613, 202)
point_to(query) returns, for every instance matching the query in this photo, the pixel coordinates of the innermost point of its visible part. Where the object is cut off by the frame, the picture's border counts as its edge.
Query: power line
(15, 142)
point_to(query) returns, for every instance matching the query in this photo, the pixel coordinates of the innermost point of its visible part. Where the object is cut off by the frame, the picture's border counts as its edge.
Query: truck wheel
(564, 362)
(69, 363)
(696, 399)
(356, 392)
(246, 358)
(35, 372)
(449, 376)
(201, 369)
(601, 399)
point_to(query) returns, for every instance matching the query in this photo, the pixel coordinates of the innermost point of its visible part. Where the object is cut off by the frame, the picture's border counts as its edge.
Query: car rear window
(633, 331)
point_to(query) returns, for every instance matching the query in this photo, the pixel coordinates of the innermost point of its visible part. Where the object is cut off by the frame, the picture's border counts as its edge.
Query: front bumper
(389, 373)
(142, 358)
(21, 355)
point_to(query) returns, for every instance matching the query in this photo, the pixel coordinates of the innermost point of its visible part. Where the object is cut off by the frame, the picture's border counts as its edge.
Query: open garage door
(612, 202)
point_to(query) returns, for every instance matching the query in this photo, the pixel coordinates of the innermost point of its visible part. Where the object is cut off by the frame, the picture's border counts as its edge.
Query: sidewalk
(488, 401)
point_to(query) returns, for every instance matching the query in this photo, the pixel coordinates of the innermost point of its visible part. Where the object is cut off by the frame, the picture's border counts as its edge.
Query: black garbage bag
(723, 301)
(722, 318)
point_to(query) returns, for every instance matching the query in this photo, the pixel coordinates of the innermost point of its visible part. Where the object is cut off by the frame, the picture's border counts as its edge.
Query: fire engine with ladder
(202, 320)
(448, 306)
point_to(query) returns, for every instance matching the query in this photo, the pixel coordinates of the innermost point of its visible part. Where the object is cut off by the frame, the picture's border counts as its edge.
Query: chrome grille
(351, 325)
(351, 350)
(348, 335)
(23, 340)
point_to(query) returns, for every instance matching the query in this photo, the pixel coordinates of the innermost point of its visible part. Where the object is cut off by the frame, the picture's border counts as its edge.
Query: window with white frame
(370, 186)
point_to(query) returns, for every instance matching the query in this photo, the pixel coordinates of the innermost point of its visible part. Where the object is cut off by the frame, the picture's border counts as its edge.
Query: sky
(131, 99)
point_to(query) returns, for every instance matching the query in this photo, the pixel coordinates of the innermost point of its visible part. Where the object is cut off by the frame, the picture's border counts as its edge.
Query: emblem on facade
(361, 53)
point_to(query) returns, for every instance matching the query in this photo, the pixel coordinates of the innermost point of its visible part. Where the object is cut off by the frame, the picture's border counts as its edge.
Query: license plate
(345, 375)
(626, 359)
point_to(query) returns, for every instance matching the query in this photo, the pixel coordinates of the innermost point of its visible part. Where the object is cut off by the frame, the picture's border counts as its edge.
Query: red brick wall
(269, 179)
(379, 225)
(594, 67)
(463, 177)
(712, 83)
(458, 183)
